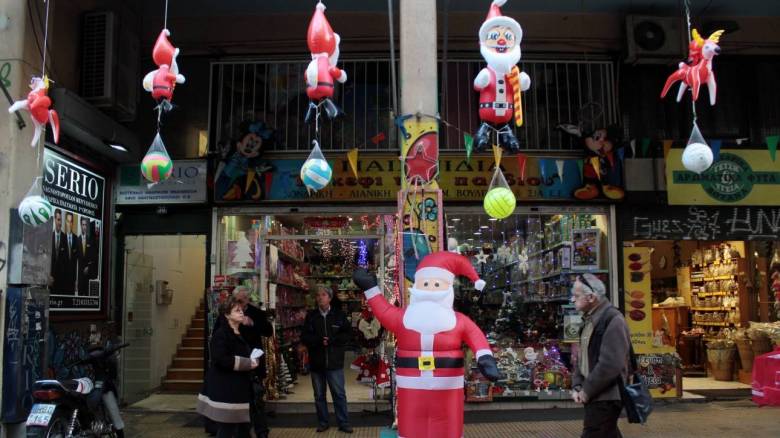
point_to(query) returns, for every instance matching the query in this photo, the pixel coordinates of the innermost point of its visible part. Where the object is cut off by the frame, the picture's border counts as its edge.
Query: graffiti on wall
(67, 343)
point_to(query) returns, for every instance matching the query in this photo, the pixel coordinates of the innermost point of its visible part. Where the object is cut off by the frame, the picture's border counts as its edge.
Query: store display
(697, 70)
(715, 287)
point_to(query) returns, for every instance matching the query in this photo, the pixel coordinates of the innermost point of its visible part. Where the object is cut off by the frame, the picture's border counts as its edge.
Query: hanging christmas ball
(499, 202)
(316, 173)
(156, 167)
(35, 210)
(697, 157)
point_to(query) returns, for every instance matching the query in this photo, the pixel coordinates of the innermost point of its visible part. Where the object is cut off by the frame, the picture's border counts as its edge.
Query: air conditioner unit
(109, 67)
(654, 40)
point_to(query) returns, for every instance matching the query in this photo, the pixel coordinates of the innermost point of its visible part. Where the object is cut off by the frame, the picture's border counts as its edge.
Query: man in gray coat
(602, 360)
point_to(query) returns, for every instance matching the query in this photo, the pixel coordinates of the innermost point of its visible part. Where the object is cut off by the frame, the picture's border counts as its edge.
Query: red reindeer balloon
(697, 69)
(38, 103)
(161, 82)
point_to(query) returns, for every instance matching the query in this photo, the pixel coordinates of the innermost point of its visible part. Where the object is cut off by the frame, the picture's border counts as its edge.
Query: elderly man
(603, 358)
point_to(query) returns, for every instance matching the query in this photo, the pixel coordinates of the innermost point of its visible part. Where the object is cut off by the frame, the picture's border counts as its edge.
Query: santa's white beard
(501, 62)
(430, 312)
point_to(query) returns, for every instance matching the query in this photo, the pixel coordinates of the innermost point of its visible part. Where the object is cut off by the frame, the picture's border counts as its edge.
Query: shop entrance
(164, 279)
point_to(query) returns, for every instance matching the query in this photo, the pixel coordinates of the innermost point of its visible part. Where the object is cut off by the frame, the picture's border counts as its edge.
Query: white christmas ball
(697, 157)
(35, 210)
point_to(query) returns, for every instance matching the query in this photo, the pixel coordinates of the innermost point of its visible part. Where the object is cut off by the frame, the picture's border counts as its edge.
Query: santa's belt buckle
(426, 363)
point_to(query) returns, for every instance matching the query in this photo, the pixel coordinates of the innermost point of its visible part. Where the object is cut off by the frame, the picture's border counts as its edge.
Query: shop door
(139, 296)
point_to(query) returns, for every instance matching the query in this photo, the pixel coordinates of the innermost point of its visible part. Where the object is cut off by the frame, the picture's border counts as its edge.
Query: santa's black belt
(424, 363)
(327, 84)
(496, 105)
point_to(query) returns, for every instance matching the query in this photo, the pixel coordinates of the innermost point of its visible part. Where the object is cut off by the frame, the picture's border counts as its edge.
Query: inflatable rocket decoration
(162, 82)
(38, 103)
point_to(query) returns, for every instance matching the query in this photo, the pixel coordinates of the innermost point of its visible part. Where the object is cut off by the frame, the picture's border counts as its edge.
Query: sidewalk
(735, 419)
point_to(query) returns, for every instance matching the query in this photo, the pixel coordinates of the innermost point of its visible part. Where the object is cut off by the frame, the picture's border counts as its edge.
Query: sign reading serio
(739, 177)
(78, 196)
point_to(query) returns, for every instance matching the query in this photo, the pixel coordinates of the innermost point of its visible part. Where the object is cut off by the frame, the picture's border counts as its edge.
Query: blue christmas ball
(316, 174)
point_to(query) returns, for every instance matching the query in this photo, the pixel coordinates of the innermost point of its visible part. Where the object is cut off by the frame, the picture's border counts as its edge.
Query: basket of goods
(720, 354)
(745, 350)
(761, 342)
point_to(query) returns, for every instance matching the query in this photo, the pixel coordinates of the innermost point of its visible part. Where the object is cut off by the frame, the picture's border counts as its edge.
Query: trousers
(601, 419)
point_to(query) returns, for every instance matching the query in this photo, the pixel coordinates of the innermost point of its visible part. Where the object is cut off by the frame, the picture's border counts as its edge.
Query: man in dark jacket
(325, 332)
(603, 358)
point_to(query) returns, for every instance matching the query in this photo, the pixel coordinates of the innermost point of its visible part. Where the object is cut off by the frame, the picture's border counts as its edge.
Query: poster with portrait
(78, 196)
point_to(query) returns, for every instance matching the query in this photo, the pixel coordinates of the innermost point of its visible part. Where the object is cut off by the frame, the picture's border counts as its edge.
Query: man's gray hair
(323, 288)
(592, 285)
(239, 290)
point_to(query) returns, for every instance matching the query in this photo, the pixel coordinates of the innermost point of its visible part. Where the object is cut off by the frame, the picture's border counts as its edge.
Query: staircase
(185, 374)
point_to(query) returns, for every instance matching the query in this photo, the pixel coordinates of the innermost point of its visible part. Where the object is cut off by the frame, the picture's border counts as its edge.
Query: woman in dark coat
(227, 391)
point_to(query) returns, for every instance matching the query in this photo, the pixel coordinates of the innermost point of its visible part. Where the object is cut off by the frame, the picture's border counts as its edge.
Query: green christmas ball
(499, 202)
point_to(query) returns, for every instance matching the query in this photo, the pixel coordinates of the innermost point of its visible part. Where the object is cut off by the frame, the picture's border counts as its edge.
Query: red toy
(322, 72)
(429, 333)
(697, 69)
(38, 103)
(766, 379)
(162, 82)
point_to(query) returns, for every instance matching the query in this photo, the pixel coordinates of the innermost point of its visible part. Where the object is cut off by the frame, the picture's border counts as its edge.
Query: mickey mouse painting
(602, 170)
(240, 176)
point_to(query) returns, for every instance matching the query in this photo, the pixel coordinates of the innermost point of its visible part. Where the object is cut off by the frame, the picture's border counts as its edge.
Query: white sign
(187, 185)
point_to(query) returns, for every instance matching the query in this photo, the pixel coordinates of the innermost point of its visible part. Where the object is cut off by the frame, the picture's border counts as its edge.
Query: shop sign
(702, 223)
(655, 360)
(78, 196)
(379, 179)
(187, 185)
(738, 177)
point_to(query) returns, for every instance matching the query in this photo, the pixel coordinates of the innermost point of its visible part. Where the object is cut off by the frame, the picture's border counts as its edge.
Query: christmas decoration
(156, 165)
(481, 257)
(352, 157)
(316, 172)
(322, 71)
(421, 164)
(162, 81)
(362, 254)
(697, 69)
(430, 386)
(326, 222)
(697, 156)
(38, 104)
(500, 83)
(243, 256)
(522, 259)
(34, 209)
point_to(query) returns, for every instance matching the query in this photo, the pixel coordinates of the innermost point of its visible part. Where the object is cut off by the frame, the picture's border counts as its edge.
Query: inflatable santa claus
(500, 83)
(429, 358)
(322, 72)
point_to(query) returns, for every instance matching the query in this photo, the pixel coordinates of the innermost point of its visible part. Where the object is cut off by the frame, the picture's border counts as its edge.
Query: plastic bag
(157, 165)
(316, 172)
(697, 156)
(34, 209)
(499, 200)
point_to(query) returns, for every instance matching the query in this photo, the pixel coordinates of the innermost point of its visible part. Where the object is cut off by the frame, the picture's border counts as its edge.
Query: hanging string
(165, 22)
(687, 4)
(45, 38)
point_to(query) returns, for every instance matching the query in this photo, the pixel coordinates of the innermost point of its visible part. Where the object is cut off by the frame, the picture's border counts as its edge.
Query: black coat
(227, 389)
(253, 334)
(338, 330)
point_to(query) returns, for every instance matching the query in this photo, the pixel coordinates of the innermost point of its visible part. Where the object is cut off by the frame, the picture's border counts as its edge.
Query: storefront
(698, 277)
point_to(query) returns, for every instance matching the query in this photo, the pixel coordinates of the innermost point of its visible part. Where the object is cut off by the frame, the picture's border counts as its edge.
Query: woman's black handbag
(635, 395)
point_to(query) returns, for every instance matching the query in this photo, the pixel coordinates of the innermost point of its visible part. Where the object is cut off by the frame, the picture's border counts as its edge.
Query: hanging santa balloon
(697, 156)
(500, 83)
(162, 82)
(34, 209)
(156, 165)
(316, 172)
(38, 104)
(322, 73)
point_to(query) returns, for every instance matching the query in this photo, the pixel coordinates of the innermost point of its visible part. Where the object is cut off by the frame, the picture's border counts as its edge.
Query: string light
(362, 254)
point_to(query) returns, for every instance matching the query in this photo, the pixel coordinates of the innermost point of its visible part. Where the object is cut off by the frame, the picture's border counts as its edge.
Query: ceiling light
(118, 147)
(455, 219)
(450, 226)
(477, 233)
(484, 227)
(492, 219)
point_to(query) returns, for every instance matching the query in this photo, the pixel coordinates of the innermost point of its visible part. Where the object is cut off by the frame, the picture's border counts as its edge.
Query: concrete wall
(180, 260)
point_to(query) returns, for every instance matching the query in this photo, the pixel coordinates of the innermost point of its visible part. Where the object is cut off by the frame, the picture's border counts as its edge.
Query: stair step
(198, 323)
(190, 352)
(189, 386)
(187, 362)
(195, 333)
(184, 374)
(192, 342)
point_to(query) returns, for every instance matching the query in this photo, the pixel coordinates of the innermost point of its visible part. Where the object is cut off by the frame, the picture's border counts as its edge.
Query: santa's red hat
(320, 37)
(494, 18)
(446, 265)
(163, 51)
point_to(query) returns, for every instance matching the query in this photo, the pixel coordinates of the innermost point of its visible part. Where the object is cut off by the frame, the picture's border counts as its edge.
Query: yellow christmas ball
(499, 202)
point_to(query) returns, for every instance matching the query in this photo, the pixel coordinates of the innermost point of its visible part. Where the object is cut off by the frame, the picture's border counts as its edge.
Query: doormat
(722, 394)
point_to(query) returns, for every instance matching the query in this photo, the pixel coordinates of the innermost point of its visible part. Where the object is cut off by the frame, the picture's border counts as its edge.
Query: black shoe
(345, 429)
(508, 140)
(322, 428)
(482, 137)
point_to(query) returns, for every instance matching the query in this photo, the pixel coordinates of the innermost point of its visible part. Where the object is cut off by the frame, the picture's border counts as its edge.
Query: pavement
(731, 419)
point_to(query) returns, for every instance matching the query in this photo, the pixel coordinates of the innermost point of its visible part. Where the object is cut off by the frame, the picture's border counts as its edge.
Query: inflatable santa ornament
(38, 103)
(322, 73)
(500, 83)
(429, 333)
(162, 82)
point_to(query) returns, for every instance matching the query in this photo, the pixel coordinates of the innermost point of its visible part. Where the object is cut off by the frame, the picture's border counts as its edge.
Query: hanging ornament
(161, 82)
(156, 165)
(499, 201)
(34, 209)
(38, 104)
(697, 156)
(698, 68)
(522, 261)
(316, 172)
(481, 257)
(500, 83)
(322, 73)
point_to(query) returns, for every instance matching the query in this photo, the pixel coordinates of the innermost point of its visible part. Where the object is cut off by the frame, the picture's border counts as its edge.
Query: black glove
(364, 279)
(487, 366)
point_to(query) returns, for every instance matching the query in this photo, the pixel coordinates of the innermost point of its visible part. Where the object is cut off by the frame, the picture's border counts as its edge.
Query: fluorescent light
(492, 219)
(118, 147)
(455, 219)
(477, 233)
(484, 227)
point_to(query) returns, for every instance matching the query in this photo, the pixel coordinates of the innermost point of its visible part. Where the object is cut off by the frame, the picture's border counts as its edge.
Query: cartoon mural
(243, 175)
